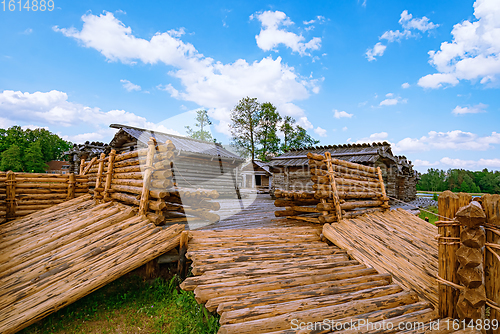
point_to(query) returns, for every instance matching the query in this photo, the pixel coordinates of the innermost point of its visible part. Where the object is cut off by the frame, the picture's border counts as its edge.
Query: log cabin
(256, 175)
(196, 164)
(291, 169)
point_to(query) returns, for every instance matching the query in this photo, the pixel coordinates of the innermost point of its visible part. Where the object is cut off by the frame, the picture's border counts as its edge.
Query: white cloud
(479, 108)
(392, 101)
(341, 114)
(424, 163)
(389, 95)
(271, 34)
(377, 50)
(375, 137)
(474, 52)
(344, 128)
(206, 82)
(460, 163)
(169, 88)
(54, 108)
(405, 85)
(451, 140)
(411, 28)
(436, 80)
(308, 22)
(320, 132)
(27, 31)
(130, 86)
(304, 122)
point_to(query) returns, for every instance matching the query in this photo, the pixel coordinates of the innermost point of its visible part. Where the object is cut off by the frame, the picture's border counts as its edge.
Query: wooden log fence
(144, 178)
(25, 193)
(469, 260)
(341, 189)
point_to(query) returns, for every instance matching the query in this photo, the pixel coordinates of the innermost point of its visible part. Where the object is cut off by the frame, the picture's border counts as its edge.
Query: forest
(460, 180)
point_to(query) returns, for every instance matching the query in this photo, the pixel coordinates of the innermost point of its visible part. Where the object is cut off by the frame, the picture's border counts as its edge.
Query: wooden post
(89, 165)
(148, 170)
(491, 207)
(82, 165)
(335, 194)
(109, 175)
(181, 265)
(98, 188)
(470, 255)
(382, 187)
(448, 244)
(71, 186)
(10, 195)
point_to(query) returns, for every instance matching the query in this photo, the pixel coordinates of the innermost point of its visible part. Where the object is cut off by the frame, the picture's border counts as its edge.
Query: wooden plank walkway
(53, 257)
(268, 280)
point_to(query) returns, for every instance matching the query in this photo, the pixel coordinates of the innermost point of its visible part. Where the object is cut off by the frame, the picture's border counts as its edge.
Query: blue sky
(422, 75)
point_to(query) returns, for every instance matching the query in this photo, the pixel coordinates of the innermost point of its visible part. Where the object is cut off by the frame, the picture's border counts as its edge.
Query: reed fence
(24, 193)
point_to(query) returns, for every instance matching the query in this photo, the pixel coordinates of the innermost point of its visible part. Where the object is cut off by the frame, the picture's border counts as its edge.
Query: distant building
(291, 169)
(58, 167)
(256, 175)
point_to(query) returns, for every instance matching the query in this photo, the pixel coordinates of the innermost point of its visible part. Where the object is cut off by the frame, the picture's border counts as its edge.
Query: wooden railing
(25, 193)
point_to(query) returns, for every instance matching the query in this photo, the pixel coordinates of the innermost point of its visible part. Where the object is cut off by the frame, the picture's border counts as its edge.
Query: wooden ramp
(394, 242)
(268, 280)
(51, 258)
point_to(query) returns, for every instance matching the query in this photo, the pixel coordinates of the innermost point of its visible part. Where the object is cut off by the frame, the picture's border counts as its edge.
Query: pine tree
(203, 122)
(245, 126)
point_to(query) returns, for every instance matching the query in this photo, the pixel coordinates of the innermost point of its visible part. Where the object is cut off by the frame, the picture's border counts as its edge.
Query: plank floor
(269, 280)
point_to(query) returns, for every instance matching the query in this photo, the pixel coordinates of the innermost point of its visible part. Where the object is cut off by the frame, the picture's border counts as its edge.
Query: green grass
(433, 218)
(132, 305)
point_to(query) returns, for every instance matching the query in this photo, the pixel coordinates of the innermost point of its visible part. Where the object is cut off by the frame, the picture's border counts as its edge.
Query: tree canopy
(255, 126)
(460, 180)
(28, 150)
(203, 121)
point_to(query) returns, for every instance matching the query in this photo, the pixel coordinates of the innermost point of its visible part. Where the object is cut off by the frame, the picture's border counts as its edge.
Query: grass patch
(433, 218)
(132, 305)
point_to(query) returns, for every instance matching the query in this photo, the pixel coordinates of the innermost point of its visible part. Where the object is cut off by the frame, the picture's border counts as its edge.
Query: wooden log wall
(340, 189)
(25, 193)
(145, 178)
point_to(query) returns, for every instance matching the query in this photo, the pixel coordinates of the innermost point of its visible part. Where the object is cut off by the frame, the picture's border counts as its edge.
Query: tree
(11, 159)
(245, 126)
(203, 122)
(267, 134)
(50, 147)
(287, 129)
(295, 135)
(33, 159)
(300, 138)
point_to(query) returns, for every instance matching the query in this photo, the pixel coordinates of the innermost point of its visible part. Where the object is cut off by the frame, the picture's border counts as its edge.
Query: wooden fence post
(109, 175)
(98, 188)
(470, 255)
(82, 165)
(449, 233)
(148, 170)
(181, 265)
(10, 195)
(491, 207)
(335, 194)
(71, 186)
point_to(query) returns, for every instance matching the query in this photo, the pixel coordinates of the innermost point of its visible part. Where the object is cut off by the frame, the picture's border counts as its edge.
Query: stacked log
(470, 255)
(144, 178)
(341, 189)
(25, 193)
